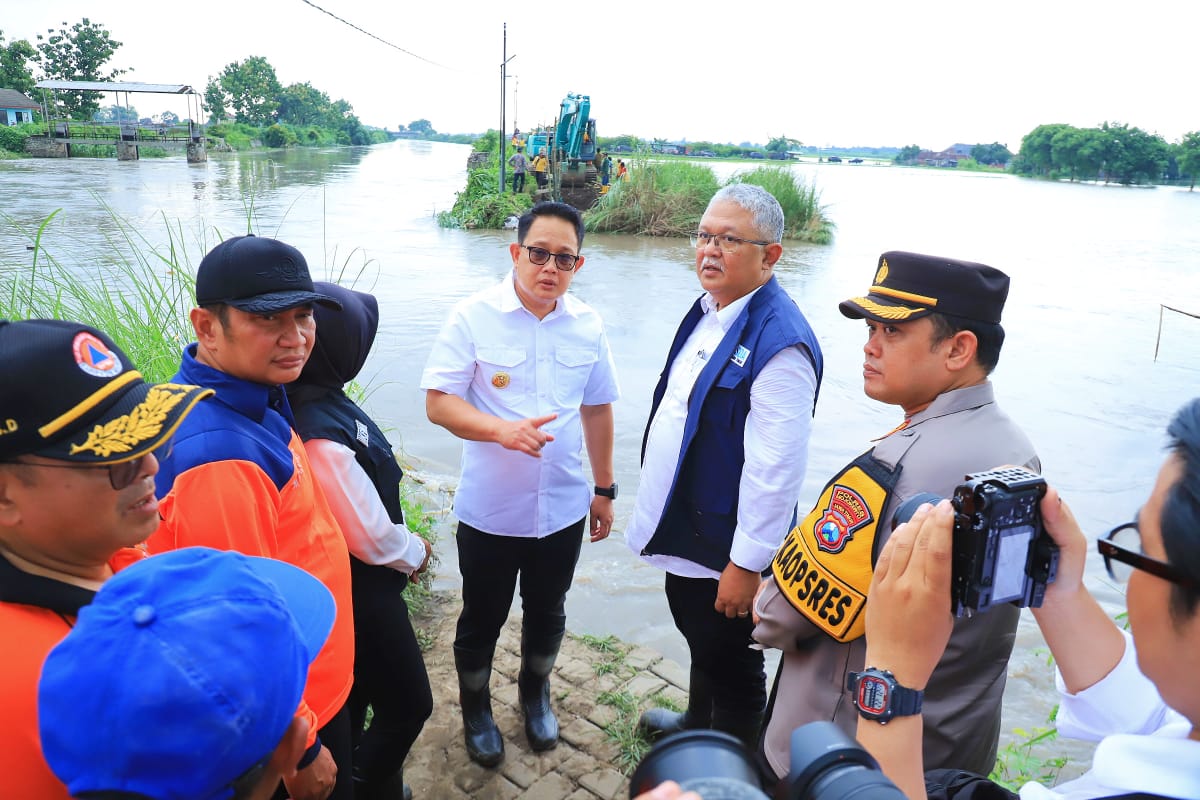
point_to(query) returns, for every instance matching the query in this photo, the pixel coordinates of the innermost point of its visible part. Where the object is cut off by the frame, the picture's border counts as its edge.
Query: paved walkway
(584, 765)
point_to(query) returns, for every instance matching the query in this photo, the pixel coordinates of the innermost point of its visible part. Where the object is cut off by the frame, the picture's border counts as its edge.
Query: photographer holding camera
(1135, 692)
(933, 337)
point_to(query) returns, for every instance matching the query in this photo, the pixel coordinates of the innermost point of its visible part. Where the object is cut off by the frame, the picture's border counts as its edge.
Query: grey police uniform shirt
(962, 431)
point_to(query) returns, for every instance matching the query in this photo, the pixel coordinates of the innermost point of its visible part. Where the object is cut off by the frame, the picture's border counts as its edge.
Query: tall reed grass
(135, 291)
(668, 198)
(658, 198)
(480, 205)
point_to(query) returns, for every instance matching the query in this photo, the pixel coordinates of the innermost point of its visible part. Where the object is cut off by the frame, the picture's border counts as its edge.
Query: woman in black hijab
(357, 470)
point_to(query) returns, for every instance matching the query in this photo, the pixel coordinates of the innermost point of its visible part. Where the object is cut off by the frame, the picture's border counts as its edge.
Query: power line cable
(373, 36)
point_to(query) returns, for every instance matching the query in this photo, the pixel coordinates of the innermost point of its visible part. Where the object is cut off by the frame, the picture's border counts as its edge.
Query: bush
(12, 139)
(279, 136)
(481, 205)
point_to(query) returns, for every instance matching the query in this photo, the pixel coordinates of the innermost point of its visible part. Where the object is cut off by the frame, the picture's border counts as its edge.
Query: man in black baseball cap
(79, 433)
(238, 477)
(933, 338)
(257, 275)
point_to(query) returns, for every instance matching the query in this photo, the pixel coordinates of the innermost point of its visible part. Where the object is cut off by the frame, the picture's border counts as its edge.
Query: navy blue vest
(701, 510)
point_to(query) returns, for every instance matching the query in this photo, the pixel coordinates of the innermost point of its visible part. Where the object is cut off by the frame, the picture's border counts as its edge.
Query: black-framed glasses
(538, 256)
(725, 241)
(1122, 551)
(120, 476)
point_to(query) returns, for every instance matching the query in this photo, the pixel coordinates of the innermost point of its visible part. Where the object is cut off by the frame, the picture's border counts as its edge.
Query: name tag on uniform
(740, 355)
(361, 433)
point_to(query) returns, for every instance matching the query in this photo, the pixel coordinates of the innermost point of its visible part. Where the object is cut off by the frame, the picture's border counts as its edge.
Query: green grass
(481, 205)
(1028, 760)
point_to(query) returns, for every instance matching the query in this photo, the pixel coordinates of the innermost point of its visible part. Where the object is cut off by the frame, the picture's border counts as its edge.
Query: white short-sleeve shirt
(500, 358)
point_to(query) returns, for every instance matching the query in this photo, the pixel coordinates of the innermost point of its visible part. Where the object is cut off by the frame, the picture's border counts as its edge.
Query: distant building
(15, 107)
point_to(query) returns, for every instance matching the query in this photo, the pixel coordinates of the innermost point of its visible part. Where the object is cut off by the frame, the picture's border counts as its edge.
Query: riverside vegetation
(658, 198)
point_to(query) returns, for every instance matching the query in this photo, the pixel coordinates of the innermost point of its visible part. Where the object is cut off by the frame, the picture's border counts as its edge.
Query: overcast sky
(867, 73)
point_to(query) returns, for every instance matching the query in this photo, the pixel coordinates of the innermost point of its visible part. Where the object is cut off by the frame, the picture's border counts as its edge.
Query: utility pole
(503, 80)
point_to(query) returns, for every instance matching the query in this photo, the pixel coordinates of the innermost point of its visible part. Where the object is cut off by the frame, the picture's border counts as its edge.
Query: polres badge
(500, 380)
(847, 512)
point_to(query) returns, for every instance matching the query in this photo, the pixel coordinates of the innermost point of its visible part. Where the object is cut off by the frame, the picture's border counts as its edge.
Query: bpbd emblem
(846, 513)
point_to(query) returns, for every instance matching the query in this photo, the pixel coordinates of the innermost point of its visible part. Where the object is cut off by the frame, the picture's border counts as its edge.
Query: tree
(421, 126)
(1188, 156)
(1078, 151)
(994, 153)
(78, 54)
(168, 118)
(302, 104)
(1036, 153)
(908, 155)
(15, 58)
(215, 102)
(781, 144)
(1131, 155)
(252, 90)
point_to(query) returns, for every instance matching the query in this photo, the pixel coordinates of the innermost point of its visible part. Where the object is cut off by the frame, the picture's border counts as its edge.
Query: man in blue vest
(730, 419)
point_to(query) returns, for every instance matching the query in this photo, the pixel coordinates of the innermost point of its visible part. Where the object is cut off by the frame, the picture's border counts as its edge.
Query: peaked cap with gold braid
(909, 286)
(69, 393)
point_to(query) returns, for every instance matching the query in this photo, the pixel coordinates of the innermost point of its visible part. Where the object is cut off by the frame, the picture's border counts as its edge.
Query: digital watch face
(872, 694)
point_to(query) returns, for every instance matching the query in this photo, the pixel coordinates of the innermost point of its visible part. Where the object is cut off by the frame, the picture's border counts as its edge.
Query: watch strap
(902, 701)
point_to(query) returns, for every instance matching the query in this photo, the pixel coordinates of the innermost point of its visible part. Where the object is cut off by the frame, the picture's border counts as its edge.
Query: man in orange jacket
(78, 433)
(238, 477)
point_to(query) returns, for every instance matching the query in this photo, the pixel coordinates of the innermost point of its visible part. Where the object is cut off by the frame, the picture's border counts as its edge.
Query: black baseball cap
(258, 275)
(909, 286)
(71, 394)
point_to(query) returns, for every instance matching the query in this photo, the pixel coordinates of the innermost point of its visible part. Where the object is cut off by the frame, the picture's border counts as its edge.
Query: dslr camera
(826, 764)
(1002, 553)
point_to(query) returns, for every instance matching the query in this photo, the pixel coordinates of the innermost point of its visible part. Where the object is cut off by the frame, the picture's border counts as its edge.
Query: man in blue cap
(159, 691)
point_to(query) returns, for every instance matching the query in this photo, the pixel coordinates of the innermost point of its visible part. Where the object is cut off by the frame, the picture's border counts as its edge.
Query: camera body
(1002, 553)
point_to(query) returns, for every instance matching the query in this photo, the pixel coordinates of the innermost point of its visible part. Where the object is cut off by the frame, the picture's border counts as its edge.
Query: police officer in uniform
(933, 338)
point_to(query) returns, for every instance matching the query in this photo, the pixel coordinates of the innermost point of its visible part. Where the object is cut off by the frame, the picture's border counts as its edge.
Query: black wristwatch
(877, 696)
(609, 491)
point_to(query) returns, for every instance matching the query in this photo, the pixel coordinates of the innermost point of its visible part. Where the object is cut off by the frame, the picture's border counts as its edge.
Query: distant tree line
(248, 92)
(78, 53)
(1113, 152)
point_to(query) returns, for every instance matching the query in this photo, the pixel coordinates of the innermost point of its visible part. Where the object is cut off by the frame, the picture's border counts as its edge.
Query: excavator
(570, 147)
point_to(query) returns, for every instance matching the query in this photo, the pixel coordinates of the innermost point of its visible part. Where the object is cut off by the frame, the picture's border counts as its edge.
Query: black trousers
(518, 182)
(389, 673)
(719, 646)
(335, 735)
(490, 566)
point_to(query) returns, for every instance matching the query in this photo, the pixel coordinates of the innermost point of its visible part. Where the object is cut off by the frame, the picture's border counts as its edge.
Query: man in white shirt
(1136, 692)
(724, 455)
(523, 374)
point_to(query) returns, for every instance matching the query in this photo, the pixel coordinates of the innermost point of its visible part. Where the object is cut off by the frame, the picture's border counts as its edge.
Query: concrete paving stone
(581, 794)
(505, 694)
(645, 684)
(551, 786)
(472, 778)
(602, 715)
(522, 771)
(672, 672)
(606, 783)
(577, 765)
(577, 703)
(640, 658)
(576, 671)
(582, 734)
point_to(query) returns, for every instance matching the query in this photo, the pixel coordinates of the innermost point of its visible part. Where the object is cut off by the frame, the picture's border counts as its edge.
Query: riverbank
(592, 680)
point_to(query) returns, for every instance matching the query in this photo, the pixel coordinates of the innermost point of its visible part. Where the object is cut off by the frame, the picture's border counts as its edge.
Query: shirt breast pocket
(572, 368)
(501, 370)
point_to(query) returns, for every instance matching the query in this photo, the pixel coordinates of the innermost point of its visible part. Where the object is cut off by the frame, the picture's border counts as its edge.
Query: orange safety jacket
(36, 613)
(238, 478)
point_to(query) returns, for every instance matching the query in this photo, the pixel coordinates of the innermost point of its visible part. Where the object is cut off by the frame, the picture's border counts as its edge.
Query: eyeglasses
(1122, 550)
(120, 476)
(727, 243)
(538, 256)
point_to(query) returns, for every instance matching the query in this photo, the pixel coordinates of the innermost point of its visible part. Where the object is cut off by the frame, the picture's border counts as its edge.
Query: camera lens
(710, 763)
(829, 765)
(909, 507)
